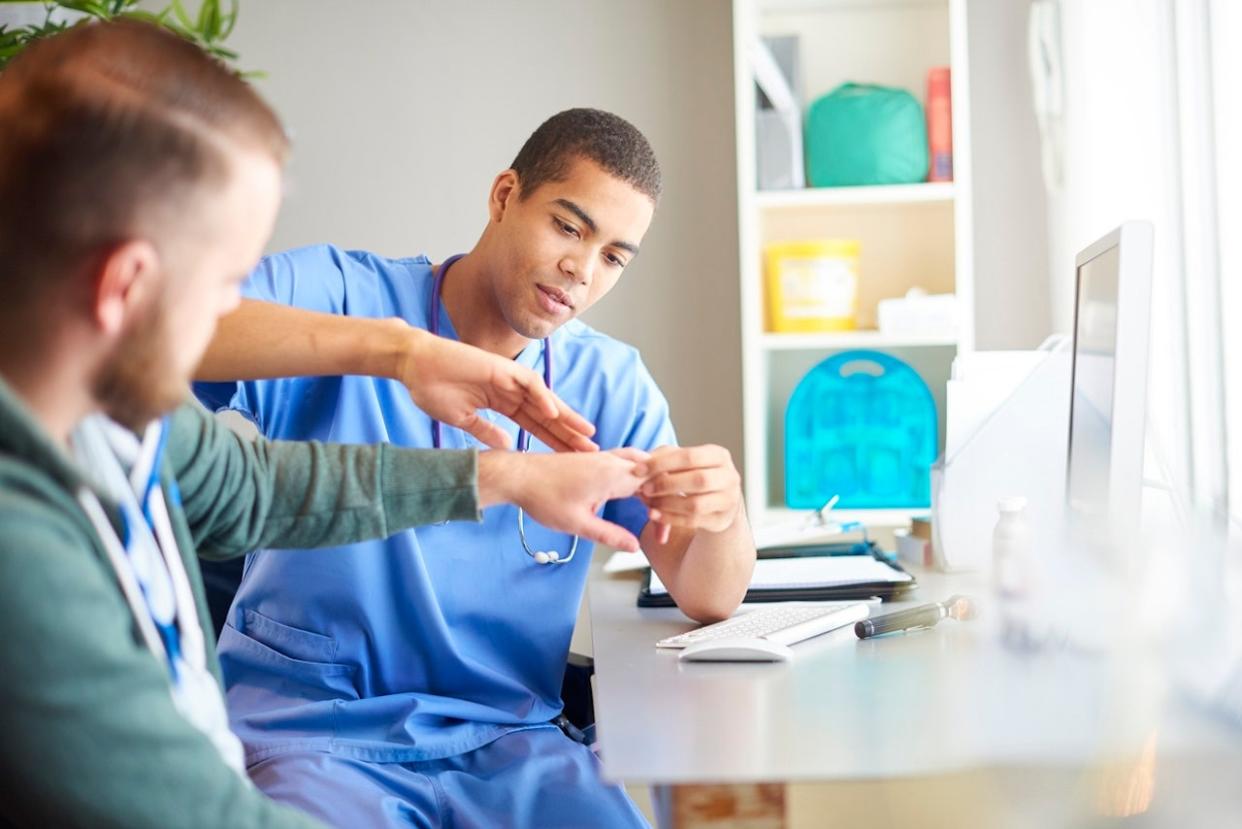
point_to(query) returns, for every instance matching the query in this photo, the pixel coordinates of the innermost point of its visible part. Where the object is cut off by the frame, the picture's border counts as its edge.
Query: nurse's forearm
(263, 340)
(713, 573)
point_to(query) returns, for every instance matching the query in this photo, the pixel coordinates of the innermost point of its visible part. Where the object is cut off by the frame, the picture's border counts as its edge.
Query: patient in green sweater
(139, 183)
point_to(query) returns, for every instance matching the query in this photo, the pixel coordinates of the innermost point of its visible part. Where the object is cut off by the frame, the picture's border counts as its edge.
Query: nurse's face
(199, 270)
(563, 245)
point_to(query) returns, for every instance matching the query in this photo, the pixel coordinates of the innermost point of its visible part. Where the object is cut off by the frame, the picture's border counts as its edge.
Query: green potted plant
(22, 23)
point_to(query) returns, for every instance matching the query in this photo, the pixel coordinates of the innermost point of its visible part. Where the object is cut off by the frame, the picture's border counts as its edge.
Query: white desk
(917, 705)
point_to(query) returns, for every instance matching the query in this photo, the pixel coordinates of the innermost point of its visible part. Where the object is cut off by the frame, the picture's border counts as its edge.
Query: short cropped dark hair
(609, 140)
(105, 128)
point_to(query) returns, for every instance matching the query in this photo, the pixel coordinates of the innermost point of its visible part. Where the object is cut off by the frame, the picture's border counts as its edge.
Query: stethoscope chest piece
(523, 440)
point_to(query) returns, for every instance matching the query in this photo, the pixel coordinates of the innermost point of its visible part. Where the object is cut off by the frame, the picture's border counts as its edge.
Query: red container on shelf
(939, 125)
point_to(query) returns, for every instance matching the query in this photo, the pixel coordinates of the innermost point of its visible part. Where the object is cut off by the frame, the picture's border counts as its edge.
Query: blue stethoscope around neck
(523, 439)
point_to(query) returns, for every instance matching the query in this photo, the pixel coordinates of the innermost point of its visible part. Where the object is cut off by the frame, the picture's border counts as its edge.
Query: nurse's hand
(565, 491)
(694, 487)
(451, 381)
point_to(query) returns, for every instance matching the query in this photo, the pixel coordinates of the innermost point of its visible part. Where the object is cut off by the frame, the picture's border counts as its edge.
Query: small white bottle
(1012, 567)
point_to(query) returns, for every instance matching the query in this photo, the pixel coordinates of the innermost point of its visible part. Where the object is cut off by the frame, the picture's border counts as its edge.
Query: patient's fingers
(488, 433)
(605, 532)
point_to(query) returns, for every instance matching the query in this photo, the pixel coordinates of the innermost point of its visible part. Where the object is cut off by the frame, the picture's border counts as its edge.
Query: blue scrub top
(441, 639)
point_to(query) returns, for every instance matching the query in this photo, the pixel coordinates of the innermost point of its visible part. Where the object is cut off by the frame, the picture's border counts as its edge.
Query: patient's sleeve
(240, 495)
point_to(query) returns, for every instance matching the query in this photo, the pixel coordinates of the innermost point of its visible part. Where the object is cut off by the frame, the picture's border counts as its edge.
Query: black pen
(923, 616)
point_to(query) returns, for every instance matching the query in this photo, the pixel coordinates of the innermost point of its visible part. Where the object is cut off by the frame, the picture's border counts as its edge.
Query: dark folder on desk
(807, 578)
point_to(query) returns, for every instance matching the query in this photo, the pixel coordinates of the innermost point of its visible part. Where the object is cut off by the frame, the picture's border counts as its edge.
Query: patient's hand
(451, 381)
(565, 491)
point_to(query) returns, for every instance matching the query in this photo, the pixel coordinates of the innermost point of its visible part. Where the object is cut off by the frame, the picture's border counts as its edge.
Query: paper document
(623, 562)
(803, 529)
(812, 571)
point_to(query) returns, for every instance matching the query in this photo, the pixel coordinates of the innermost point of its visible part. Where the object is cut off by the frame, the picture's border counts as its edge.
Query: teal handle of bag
(851, 88)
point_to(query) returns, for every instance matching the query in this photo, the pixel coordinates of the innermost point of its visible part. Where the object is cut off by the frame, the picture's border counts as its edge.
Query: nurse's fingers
(715, 521)
(680, 458)
(691, 482)
(692, 507)
(604, 532)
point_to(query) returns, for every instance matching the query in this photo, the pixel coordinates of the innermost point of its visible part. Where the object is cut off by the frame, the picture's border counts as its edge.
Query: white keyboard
(785, 623)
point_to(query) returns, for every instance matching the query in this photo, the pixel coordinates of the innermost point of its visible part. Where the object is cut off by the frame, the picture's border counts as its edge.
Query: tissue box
(918, 314)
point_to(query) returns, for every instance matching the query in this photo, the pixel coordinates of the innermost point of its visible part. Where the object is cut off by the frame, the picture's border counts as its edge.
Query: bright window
(1226, 27)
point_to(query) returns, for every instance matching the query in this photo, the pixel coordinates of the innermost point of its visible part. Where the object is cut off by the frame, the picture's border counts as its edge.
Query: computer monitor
(1108, 386)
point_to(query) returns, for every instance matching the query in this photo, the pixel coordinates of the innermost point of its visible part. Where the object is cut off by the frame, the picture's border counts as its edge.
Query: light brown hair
(106, 129)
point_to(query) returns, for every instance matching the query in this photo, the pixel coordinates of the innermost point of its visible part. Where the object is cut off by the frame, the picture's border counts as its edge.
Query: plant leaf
(208, 29)
(182, 16)
(230, 20)
(208, 19)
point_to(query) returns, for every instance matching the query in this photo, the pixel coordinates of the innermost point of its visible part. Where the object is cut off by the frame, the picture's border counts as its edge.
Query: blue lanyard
(137, 515)
(169, 633)
(523, 439)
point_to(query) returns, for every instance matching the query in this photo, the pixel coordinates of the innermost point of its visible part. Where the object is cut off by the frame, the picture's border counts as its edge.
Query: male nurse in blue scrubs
(415, 681)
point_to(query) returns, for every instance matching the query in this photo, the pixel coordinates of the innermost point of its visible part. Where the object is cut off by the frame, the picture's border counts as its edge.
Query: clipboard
(823, 577)
(861, 547)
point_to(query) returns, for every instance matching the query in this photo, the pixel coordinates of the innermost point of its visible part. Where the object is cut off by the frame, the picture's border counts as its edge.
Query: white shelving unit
(891, 194)
(911, 235)
(840, 340)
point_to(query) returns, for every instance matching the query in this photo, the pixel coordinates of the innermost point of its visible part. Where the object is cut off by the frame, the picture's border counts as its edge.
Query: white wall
(1013, 305)
(402, 113)
(1118, 138)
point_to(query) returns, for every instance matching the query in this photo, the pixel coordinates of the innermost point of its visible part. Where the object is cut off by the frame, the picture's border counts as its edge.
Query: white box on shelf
(918, 314)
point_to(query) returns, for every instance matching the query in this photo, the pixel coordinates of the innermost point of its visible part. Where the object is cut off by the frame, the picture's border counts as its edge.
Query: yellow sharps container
(812, 285)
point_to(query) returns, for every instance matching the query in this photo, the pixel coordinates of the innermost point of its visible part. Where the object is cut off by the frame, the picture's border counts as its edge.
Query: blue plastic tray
(860, 425)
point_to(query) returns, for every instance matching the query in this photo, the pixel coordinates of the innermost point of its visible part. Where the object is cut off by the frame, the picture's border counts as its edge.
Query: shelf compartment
(902, 247)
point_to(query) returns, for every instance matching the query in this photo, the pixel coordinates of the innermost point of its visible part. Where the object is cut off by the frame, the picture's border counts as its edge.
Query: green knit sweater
(90, 735)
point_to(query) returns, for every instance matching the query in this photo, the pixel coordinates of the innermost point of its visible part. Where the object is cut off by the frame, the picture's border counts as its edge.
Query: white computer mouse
(740, 649)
